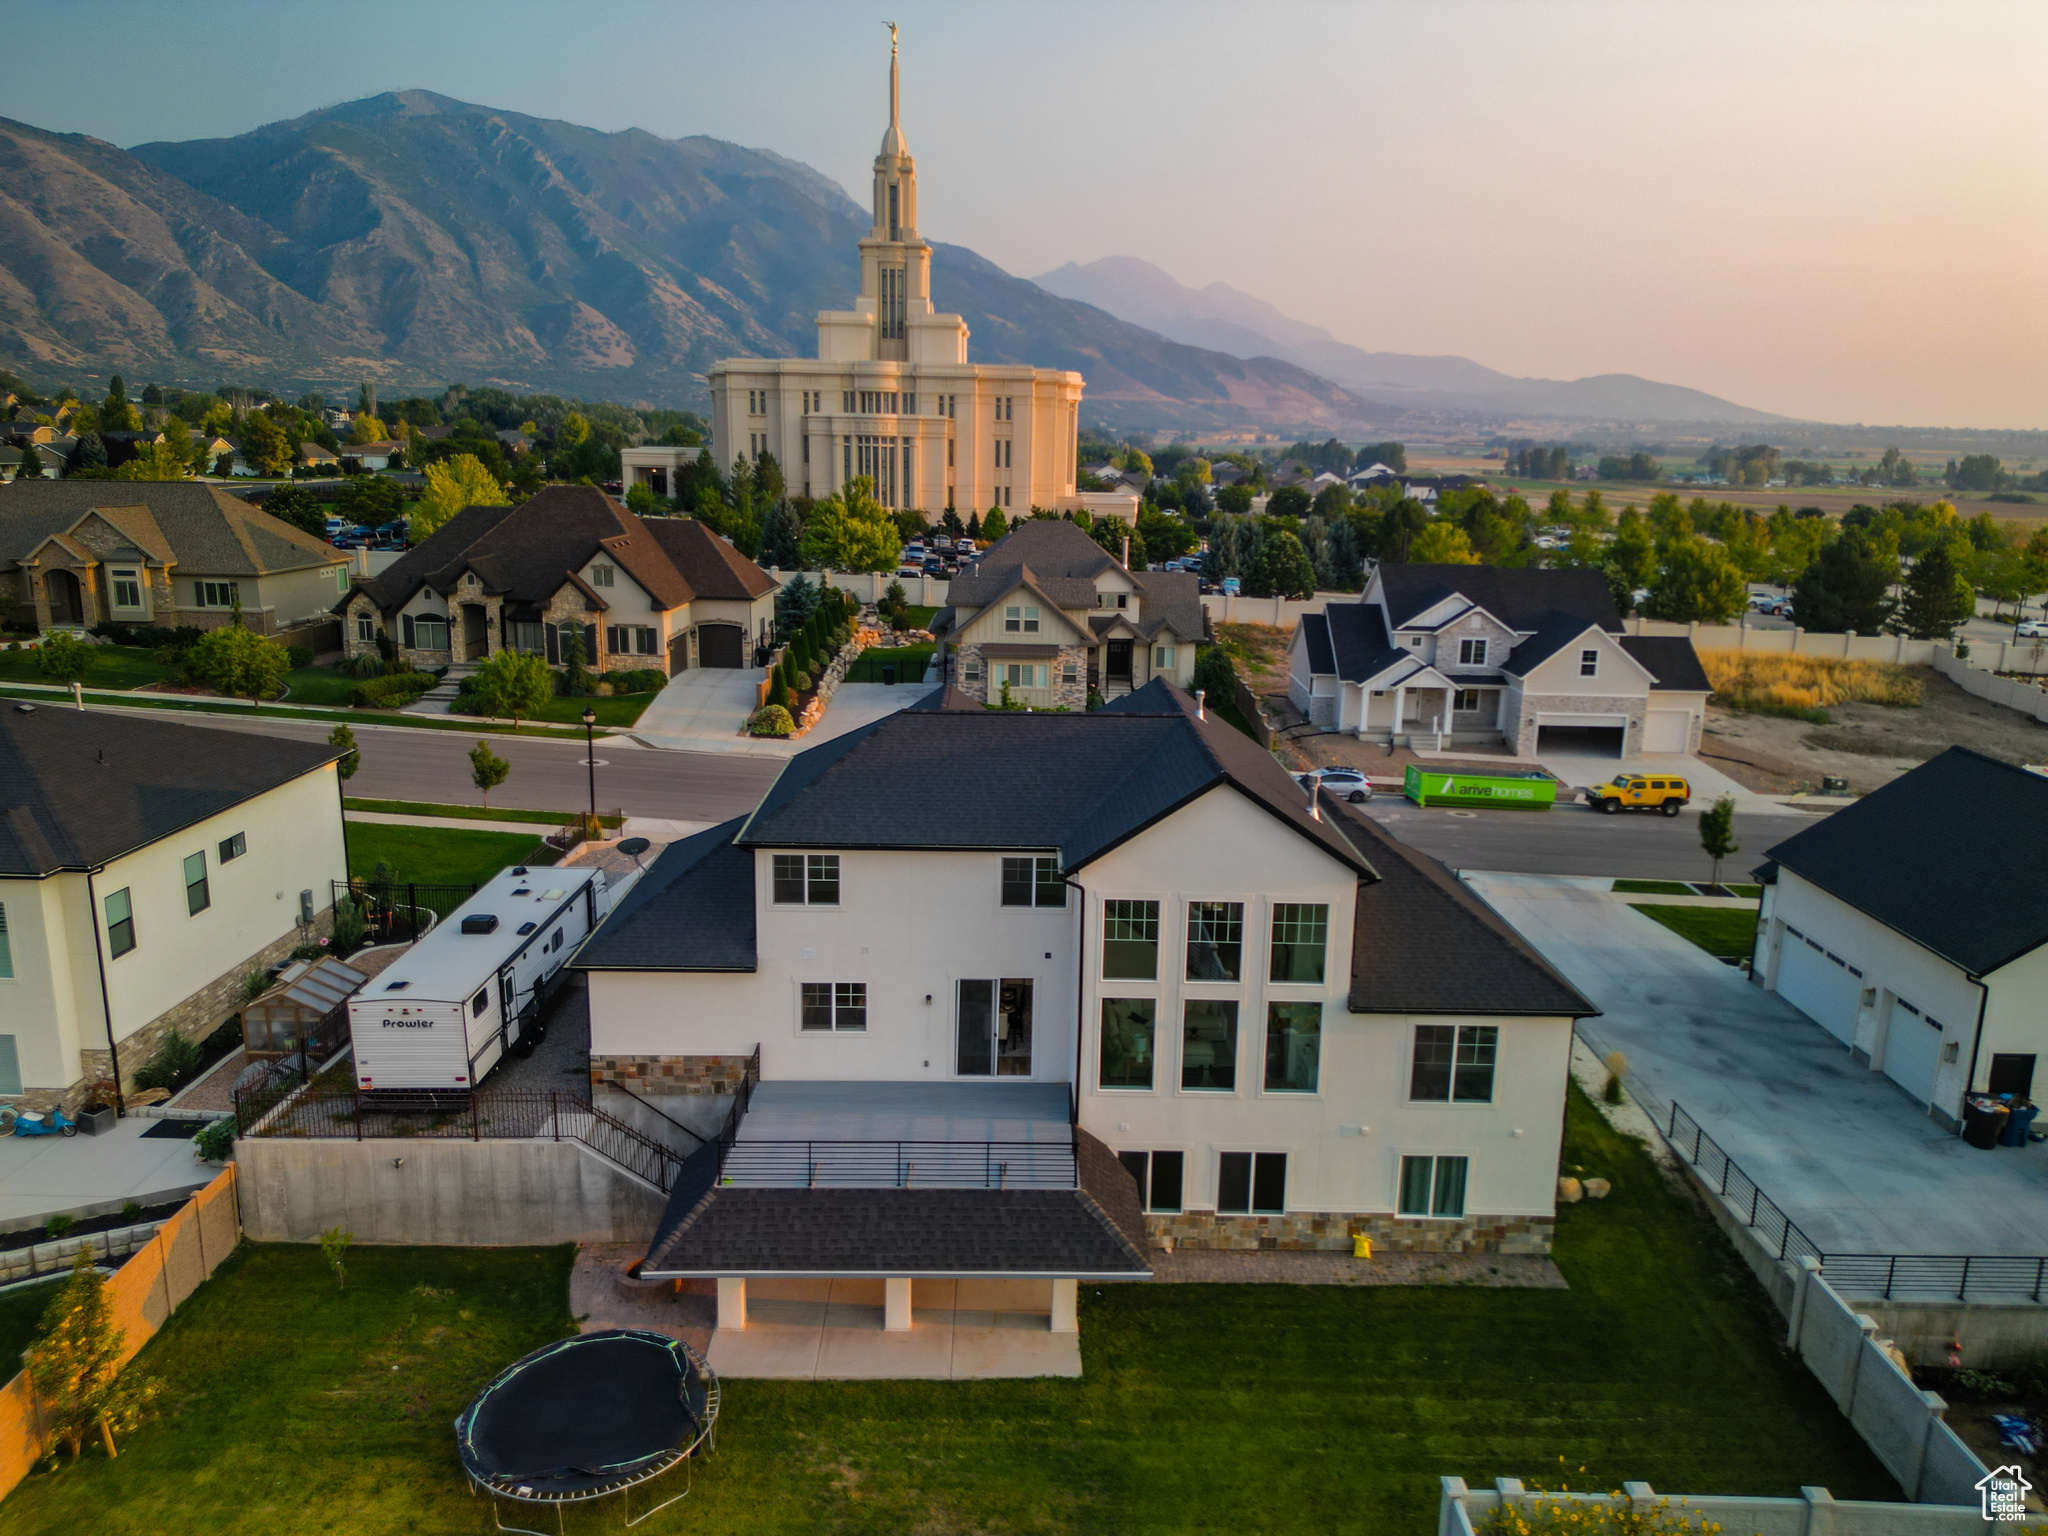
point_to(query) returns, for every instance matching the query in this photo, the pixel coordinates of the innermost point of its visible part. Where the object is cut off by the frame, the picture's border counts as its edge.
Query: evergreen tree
(1938, 597)
(1848, 586)
(32, 463)
(1283, 569)
(91, 452)
(1631, 557)
(995, 525)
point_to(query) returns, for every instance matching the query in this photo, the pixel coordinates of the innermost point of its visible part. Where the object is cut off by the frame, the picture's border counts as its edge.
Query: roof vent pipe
(1200, 714)
(1315, 799)
(1127, 551)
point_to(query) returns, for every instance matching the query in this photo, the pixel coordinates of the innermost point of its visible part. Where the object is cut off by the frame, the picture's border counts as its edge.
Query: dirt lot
(1867, 744)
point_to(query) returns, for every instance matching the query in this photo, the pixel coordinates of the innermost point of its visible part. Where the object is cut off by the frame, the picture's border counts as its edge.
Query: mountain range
(412, 239)
(1226, 319)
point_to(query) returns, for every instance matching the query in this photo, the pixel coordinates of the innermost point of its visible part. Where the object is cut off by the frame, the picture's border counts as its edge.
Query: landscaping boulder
(1569, 1191)
(1596, 1189)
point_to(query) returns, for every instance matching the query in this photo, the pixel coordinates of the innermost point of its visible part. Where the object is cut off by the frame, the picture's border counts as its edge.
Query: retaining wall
(1461, 1511)
(1993, 1335)
(457, 1193)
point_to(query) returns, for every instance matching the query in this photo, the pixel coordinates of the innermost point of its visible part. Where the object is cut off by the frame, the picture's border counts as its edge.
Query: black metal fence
(903, 1164)
(399, 911)
(1749, 1203)
(338, 1111)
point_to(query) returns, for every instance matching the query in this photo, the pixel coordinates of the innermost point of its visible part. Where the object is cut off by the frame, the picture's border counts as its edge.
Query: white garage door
(1667, 730)
(1818, 987)
(1912, 1051)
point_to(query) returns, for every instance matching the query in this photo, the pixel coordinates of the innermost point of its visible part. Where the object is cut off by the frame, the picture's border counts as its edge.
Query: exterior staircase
(440, 699)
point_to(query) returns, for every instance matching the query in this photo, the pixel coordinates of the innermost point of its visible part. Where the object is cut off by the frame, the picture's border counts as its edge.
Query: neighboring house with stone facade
(168, 553)
(1112, 980)
(1447, 655)
(1051, 614)
(657, 592)
(146, 868)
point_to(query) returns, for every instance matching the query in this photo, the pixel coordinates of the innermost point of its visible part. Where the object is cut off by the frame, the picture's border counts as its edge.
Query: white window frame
(601, 575)
(1021, 618)
(116, 581)
(1472, 652)
(1589, 662)
(1436, 1159)
(1162, 658)
(812, 867)
(837, 990)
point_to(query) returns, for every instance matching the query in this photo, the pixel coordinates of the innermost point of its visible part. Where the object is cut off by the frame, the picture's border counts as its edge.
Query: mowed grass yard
(297, 1408)
(1725, 931)
(437, 855)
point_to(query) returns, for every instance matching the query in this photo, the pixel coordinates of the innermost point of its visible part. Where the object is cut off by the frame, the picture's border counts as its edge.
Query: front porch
(1423, 710)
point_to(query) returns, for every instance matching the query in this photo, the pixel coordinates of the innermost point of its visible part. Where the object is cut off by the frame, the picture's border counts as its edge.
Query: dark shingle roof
(1671, 660)
(1064, 562)
(1359, 641)
(78, 787)
(1948, 855)
(1425, 942)
(1518, 597)
(200, 526)
(702, 887)
(1094, 1230)
(1554, 631)
(1080, 783)
(527, 552)
(1315, 634)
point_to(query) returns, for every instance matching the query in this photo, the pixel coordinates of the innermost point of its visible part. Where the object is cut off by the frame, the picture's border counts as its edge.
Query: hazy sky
(1837, 211)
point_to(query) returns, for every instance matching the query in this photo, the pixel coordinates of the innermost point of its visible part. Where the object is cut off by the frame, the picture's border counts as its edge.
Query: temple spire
(892, 141)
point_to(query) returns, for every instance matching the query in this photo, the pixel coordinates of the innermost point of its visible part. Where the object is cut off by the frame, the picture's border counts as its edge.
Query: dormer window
(600, 575)
(1021, 619)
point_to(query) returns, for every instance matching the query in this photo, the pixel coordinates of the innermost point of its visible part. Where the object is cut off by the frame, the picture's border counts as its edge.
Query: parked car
(2031, 629)
(1345, 783)
(965, 546)
(1640, 792)
(1762, 602)
(1231, 585)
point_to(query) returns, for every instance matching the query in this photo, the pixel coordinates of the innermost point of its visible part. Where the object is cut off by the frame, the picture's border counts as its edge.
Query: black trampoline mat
(593, 1408)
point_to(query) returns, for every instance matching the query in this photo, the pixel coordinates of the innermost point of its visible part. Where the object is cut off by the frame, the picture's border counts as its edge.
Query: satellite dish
(633, 847)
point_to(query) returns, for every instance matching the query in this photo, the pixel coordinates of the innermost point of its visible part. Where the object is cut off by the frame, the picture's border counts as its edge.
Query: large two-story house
(1049, 613)
(147, 867)
(1006, 994)
(1534, 659)
(74, 553)
(658, 592)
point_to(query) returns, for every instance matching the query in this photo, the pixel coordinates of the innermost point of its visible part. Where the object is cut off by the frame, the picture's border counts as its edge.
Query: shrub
(297, 656)
(350, 926)
(771, 720)
(803, 682)
(60, 1223)
(778, 693)
(176, 1059)
(393, 691)
(1215, 675)
(216, 1143)
(368, 664)
(640, 680)
(64, 658)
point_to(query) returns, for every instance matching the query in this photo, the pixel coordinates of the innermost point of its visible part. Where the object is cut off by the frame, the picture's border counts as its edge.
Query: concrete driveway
(1708, 783)
(706, 710)
(41, 1174)
(1842, 1150)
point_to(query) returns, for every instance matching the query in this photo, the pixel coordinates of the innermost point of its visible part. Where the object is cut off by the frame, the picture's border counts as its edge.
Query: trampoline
(587, 1417)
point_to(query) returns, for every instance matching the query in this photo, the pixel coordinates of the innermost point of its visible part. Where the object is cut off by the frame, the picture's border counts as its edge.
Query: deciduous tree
(1848, 585)
(1698, 583)
(1442, 544)
(514, 684)
(241, 663)
(452, 486)
(75, 1366)
(487, 770)
(850, 531)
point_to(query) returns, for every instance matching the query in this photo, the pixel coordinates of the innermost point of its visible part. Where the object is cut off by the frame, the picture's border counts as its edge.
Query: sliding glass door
(992, 1028)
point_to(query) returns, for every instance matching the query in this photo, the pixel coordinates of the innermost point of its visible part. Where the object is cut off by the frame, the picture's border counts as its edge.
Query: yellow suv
(1640, 792)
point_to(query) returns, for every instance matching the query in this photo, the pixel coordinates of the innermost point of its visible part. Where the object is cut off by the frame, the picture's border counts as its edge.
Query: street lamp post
(590, 765)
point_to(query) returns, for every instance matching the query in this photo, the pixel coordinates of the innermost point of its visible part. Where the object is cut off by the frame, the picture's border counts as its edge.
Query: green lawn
(620, 710)
(1725, 931)
(318, 685)
(436, 855)
(301, 1409)
(467, 812)
(214, 706)
(908, 660)
(111, 666)
(20, 1312)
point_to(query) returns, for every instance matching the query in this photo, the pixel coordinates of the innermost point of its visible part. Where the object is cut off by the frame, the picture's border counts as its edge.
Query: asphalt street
(1572, 840)
(403, 764)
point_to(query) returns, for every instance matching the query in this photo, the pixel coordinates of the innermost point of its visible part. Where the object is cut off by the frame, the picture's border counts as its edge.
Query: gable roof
(80, 787)
(525, 553)
(1670, 660)
(1078, 783)
(702, 885)
(1315, 634)
(1065, 562)
(1426, 942)
(1359, 643)
(1947, 855)
(1554, 632)
(199, 527)
(1522, 598)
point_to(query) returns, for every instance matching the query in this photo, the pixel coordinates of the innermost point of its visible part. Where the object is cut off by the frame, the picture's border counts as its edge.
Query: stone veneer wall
(1065, 695)
(671, 1074)
(1531, 705)
(198, 1016)
(1332, 1231)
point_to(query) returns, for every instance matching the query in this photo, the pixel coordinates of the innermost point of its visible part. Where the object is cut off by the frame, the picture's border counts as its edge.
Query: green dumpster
(1524, 791)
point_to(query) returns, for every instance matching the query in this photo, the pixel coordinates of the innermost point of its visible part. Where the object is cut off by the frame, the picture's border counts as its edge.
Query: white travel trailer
(449, 1009)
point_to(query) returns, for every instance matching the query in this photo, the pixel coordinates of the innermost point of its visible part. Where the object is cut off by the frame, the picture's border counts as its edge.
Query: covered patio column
(732, 1302)
(896, 1305)
(1400, 709)
(1066, 1306)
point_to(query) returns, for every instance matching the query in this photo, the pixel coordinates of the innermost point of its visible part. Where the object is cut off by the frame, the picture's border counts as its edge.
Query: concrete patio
(832, 1330)
(1843, 1151)
(43, 1174)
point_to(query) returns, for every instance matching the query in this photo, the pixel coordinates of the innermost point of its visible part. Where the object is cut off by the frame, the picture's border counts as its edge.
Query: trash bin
(1983, 1120)
(2018, 1121)
(889, 673)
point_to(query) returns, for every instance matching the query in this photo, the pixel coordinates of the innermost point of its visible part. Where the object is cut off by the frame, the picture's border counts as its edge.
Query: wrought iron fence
(1749, 1203)
(400, 911)
(902, 1164)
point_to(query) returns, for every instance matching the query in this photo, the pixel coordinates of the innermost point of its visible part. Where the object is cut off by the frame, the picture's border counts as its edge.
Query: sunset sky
(1835, 211)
